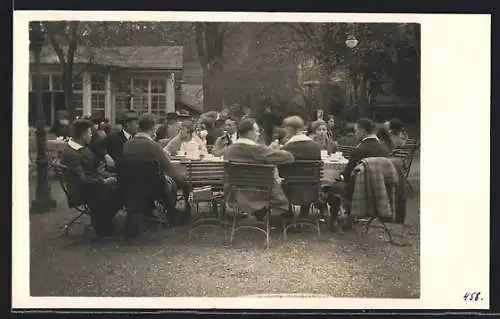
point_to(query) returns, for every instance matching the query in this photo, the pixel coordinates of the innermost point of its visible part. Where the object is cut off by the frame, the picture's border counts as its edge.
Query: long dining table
(332, 167)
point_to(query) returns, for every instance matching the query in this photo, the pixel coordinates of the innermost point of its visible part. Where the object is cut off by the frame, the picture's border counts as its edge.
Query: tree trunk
(362, 96)
(67, 76)
(212, 100)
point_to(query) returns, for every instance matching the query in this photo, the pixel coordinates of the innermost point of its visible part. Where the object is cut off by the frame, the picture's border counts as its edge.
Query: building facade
(107, 81)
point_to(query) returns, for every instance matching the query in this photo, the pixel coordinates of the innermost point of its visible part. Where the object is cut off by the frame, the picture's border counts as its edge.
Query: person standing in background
(268, 121)
(62, 127)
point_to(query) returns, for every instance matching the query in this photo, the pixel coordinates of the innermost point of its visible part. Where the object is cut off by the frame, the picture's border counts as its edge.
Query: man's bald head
(293, 125)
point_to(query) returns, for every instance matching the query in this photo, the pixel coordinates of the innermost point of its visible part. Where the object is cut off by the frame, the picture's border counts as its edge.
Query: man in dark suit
(245, 149)
(110, 148)
(370, 146)
(302, 147)
(228, 137)
(86, 183)
(142, 146)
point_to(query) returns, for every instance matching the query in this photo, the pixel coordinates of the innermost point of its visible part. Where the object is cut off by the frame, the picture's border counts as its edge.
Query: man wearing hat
(110, 148)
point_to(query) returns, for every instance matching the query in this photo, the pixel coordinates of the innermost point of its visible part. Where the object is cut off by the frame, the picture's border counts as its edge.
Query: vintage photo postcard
(250, 160)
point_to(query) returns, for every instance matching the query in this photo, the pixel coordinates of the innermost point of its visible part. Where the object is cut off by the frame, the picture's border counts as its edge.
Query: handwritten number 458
(472, 296)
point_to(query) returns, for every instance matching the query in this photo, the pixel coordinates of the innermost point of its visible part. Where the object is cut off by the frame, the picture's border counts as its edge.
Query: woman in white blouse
(186, 141)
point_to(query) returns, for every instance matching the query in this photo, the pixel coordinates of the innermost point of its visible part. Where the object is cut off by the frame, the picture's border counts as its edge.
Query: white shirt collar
(245, 141)
(127, 134)
(299, 138)
(140, 134)
(370, 136)
(74, 145)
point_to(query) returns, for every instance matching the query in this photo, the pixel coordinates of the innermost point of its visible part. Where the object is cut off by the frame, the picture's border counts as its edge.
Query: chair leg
(222, 215)
(391, 239)
(268, 218)
(233, 227)
(409, 188)
(368, 224)
(71, 223)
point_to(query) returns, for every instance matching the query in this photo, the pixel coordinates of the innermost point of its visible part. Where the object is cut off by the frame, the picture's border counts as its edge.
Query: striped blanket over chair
(375, 185)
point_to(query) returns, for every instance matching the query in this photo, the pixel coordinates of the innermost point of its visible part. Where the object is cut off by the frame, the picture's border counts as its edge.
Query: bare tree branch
(200, 45)
(73, 25)
(51, 32)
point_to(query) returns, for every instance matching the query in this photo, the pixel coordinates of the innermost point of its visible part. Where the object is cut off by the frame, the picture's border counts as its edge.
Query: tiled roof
(162, 57)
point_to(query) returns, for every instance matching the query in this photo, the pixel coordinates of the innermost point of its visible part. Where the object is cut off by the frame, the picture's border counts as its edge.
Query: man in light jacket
(245, 149)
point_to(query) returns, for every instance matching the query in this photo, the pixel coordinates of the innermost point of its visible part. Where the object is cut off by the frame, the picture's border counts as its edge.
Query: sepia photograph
(224, 159)
(331, 108)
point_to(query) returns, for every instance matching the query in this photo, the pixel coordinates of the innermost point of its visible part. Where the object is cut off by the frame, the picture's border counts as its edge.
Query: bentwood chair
(207, 182)
(83, 209)
(251, 179)
(407, 154)
(302, 186)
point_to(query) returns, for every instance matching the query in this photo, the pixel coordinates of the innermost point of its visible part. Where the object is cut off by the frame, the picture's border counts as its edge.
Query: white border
(455, 163)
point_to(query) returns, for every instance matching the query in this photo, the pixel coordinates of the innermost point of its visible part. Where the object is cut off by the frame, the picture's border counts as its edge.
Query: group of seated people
(91, 162)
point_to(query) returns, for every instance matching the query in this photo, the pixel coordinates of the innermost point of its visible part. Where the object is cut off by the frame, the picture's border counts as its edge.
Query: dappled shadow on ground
(165, 264)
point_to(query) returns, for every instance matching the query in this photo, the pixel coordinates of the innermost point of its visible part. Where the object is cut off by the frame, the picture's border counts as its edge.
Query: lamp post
(43, 201)
(351, 42)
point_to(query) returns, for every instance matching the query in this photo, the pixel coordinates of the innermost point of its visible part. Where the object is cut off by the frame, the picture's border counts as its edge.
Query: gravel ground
(164, 264)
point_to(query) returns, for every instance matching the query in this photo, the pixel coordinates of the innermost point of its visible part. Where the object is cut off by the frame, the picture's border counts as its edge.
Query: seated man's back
(143, 146)
(245, 149)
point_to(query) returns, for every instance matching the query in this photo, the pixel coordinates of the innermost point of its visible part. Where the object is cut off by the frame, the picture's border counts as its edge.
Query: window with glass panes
(158, 96)
(45, 82)
(140, 95)
(78, 96)
(122, 89)
(98, 95)
(57, 84)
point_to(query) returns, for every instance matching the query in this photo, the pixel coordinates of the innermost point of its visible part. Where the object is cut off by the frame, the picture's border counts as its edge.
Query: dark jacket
(213, 134)
(142, 147)
(369, 147)
(161, 132)
(349, 140)
(82, 175)
(385, 137)
(303, 148)
(112, 145)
